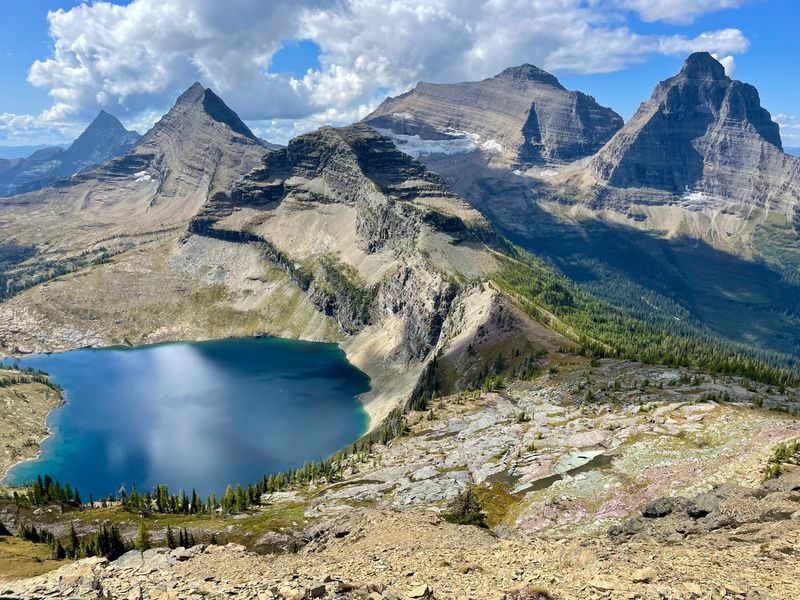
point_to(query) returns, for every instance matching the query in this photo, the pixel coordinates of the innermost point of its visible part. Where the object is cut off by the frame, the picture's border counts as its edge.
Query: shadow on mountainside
(684, 283)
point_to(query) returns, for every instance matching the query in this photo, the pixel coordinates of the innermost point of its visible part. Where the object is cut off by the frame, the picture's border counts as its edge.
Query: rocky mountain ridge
(696, 187)
(104, 139)
(523, 116)
(702, 138)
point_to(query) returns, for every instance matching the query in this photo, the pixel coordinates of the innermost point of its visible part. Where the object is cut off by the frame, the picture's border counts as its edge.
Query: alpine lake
(194, 415)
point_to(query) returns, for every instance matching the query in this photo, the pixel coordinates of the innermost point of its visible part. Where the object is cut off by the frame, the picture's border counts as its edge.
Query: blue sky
(292, 66)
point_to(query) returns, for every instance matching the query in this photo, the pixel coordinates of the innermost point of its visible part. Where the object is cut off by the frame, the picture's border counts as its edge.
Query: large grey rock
(393, 197)
(523, 113)
(132, 558)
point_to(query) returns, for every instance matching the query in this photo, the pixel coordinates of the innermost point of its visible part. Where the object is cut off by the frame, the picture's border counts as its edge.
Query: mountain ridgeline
(523, 113)
(201, 230)
(684, 217)
(104, 139)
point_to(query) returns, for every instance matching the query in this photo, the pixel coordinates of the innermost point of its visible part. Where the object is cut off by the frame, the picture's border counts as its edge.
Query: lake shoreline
(23, 436)
(231, 388)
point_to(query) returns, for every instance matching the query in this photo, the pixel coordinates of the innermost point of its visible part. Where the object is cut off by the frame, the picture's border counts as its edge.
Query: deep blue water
(195, 415)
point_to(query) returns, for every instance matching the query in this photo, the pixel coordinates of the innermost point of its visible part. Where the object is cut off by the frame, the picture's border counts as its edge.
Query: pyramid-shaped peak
(105, 120)
(529, 72)
(199, 99)
(221, 112)
(701, 65)
(192, 95)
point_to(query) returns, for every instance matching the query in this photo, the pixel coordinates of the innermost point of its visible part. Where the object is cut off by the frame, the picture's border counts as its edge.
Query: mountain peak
(197, 97)
(701, 65)
(529, 72)
(220, 112)
(192, 95)
(105, 121)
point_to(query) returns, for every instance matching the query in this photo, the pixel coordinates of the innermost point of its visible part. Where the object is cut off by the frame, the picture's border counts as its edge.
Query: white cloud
(729, 63)
(790, 129)
(722, 42)
(18, 130)
(677, 11)
(135, 58)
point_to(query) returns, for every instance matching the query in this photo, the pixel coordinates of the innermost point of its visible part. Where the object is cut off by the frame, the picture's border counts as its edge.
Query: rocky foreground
(605, 479)
(379, 554)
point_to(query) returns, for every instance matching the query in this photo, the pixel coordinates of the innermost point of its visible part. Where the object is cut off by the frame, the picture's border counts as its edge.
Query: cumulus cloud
(790, 129)
(722, 42)
(18, 130)
(677, 11)
(728, 62)
(136, 58)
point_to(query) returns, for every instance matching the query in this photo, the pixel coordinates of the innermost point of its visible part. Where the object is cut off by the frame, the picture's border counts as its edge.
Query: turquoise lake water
(195, 415)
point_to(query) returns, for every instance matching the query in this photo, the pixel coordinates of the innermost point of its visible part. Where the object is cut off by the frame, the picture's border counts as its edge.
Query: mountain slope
(338, 237)
(704, 138)
(684, 218)
(524, 115)
(102, 140)
(200, 147)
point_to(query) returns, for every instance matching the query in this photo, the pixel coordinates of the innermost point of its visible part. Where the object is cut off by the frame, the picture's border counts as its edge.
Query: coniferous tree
(73, 543)
(142, 541)
(171, 539)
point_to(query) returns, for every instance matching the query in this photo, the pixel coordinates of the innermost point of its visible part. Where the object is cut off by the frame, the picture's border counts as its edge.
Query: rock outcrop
(701, 137)
(524, 115)
(390, 238)
(104, 139)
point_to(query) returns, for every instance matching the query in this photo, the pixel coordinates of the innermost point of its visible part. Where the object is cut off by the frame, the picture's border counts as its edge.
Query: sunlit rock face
(702, 135)
(523, 116)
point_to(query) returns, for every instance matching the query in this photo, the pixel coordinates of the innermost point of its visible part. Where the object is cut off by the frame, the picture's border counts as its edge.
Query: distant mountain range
(11, 152)
(103, 139)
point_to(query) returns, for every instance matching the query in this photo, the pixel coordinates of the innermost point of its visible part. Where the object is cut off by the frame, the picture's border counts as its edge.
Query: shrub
(466, 510)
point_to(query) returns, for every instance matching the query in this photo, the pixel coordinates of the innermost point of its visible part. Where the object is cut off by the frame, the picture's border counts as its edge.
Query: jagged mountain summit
(692, 189)
(199, 148)
(702, 137)
(523, 115)
(104, 139)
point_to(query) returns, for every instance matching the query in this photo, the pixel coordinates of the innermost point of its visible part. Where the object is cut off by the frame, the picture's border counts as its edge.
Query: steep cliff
(524, 115)
(701, 137)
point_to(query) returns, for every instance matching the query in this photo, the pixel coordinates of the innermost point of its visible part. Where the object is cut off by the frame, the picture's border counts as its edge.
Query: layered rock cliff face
(523, 114)
(104, 139)
(702, 134)
(374, 210)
